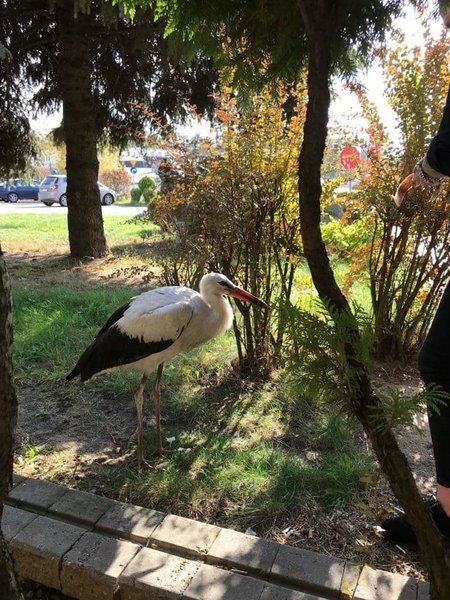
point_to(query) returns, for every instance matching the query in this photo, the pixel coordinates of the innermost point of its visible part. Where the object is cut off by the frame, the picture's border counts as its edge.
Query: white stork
(153, 328)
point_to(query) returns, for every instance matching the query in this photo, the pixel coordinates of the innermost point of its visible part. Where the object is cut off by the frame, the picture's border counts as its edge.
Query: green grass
(251, 475)
(54, 324)
(248, 485)
(127, 201)
(305, 295)
(51, 228)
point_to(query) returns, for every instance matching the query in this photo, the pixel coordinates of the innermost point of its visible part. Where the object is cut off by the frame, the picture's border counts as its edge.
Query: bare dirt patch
(58, 269)
(65, 438)
(83, 442)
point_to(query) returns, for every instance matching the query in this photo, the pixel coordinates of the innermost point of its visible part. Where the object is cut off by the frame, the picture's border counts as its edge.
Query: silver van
(53, 189)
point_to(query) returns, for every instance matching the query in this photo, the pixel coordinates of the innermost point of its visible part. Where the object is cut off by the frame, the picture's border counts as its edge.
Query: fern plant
(319, 369)
(318, 341)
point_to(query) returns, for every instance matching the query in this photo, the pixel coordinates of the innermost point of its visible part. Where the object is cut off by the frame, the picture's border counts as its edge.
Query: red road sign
(349, 157)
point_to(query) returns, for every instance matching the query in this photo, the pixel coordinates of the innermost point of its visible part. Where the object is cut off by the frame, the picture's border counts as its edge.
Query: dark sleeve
(438, 155)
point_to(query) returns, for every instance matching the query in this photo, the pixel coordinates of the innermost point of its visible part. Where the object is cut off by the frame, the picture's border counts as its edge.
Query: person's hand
(406, 184)
(414, 179)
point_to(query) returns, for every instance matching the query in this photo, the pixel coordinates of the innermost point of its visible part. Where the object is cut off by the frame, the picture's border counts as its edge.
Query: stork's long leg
(157, 399)
(139, 400)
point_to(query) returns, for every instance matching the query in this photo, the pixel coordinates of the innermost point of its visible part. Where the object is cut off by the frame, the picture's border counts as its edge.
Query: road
(37, 208)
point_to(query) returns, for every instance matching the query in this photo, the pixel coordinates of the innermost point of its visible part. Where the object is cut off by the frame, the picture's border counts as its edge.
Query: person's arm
(435, 165)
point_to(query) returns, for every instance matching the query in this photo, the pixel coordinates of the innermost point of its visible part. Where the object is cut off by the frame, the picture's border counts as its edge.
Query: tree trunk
(320, 22)
(85, 222)
(9, 588)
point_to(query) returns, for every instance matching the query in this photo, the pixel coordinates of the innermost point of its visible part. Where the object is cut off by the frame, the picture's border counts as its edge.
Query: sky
(344, 108)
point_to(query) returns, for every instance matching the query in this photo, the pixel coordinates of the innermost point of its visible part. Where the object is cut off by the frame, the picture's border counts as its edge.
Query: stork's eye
(226, 285)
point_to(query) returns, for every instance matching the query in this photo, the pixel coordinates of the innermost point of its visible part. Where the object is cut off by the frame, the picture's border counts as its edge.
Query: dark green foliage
(148, 190)
(269, 38)
(320, 340)
(398, 409)
(126, 57)
(16, 140)
(136, 194)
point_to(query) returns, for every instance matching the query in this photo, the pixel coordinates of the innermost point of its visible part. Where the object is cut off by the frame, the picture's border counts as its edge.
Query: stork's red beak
(241, 294)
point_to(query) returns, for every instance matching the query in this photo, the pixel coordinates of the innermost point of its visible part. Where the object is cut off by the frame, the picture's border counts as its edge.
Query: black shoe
(399, 531)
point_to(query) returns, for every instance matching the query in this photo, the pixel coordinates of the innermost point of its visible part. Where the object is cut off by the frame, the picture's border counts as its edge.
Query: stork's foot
(145, 465)
(156, 456)
(151, 465)
(159, 453)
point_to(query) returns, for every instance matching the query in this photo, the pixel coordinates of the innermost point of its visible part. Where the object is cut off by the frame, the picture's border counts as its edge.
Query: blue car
(18, 189)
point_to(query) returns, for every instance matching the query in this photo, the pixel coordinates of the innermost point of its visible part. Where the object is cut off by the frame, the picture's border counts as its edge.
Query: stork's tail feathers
(83, 367)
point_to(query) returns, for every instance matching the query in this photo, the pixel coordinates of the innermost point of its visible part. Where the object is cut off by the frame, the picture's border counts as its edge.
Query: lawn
(35, 232)
(241, 453)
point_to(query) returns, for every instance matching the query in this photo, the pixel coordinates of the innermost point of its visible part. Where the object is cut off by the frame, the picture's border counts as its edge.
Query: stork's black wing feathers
(117, 314)
(113, 348)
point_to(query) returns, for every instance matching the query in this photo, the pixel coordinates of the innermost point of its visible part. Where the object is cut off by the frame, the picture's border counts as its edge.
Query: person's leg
(434, 367)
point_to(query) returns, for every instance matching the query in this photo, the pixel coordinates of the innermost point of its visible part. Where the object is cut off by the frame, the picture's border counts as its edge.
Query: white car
(53, 189)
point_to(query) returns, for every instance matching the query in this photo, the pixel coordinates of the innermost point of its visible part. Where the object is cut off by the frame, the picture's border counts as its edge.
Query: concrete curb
(91, 547)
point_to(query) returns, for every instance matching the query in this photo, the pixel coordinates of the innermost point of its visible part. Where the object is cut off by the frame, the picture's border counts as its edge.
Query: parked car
(18, 189)
(53, 189)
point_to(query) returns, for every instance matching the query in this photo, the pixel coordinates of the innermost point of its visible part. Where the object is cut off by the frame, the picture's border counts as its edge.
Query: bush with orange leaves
(408, 259)
(234, 209)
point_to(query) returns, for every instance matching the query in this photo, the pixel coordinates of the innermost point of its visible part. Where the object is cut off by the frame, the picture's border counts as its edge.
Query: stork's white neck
(221, 308)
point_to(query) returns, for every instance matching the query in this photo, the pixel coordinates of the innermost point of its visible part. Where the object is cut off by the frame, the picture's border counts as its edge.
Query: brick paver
(186, 536)
(39, 547)
(275, 592)
(316, 572)
(183, 557)
(17, 479)
(423, 591)
(350, 580)
(81, 506)
(36, 494)
(132, 522)
(153, 575)
(380, 585)
(245, 552)
(14, 520)
(92, 567)
(212, 583)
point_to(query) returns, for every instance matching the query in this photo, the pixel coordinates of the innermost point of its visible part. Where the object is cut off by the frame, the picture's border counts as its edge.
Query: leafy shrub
(343, 239)
(148, 190)
(135, 195)
(145, 190)
(408, 258)
(234, 209)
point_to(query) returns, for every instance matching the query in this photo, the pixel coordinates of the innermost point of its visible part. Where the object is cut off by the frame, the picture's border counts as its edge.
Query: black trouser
(434, 357)
(434, 366)
(438, 155)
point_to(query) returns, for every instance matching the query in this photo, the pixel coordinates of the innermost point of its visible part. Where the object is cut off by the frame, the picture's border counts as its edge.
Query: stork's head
(218, 284)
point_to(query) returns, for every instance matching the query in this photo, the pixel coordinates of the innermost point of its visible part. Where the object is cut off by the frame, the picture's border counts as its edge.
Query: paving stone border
(95, 548)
